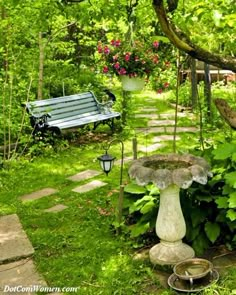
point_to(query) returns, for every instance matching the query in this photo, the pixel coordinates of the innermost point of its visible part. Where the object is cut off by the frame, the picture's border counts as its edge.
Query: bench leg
(109, 122)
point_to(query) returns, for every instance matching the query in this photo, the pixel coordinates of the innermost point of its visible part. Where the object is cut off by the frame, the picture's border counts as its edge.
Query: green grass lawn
(78, 247)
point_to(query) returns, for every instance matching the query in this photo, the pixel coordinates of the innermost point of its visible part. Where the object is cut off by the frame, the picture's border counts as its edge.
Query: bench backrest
(66, 106)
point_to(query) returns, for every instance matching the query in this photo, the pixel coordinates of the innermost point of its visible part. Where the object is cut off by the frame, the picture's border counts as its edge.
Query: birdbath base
(168, 253)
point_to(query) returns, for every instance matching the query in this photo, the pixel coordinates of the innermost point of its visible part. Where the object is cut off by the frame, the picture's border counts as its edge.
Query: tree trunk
(207, 89)
(41, 62)
(193, 83)
(226, 112)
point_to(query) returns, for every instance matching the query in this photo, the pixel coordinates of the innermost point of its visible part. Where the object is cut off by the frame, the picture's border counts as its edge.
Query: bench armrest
(39, 120)
(105, 107)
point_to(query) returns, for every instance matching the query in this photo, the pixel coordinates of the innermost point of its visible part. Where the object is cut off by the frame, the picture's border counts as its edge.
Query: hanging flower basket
(132, 83)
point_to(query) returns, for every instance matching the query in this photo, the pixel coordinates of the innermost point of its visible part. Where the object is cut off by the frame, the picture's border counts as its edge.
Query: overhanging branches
(182, 42)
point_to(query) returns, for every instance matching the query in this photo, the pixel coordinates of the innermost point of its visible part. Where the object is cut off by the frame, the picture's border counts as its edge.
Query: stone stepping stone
(149, 110)
(20, 274)
(164, 137)
(180, 115)
(150, 130)
(39, 194)
(14, 243)
(56, 208)
(182, 129)
(89, 186)
(161, 123)
(148, 116)
(84, 175)
(151, 148)
(126, 160)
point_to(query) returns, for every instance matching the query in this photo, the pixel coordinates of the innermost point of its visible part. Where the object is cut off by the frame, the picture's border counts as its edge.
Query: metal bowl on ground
(198, 285)
(192, 269)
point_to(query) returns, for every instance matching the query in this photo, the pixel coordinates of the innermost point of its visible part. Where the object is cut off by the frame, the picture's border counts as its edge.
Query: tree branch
(182, 42)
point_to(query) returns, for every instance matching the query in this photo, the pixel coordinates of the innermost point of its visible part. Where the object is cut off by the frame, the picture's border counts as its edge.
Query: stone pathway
(151, 148)
(56, 208)
(16, 269)
(89, 186)
(84, 175)
(39, 194)
(14, 243)
(162, 124)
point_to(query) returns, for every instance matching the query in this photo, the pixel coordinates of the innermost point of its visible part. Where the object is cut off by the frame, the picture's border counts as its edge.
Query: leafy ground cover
(79, 246)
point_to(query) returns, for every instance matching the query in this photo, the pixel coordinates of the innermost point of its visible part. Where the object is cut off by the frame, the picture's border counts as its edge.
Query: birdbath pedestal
(170, 173)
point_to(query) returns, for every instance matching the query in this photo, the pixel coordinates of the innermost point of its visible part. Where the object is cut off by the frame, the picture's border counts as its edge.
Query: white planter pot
(132, 84)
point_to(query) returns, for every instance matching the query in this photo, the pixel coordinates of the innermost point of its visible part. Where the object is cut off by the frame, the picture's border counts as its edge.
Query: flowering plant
(136, 60)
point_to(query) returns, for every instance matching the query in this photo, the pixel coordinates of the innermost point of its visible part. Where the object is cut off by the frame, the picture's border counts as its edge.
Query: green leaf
(224, 151)
(217, 16)
(231, 179)
(227, 189)
(232, 200)
(133, 188)
(161, 38)
(231, 214)
(198, 216)
(153, 190)
(205, 198)
(193, 233)
(140, 203)
(139, 229)
(234, 157)
(212, 231)
(222, 202)
(200, 244)
(147, 207)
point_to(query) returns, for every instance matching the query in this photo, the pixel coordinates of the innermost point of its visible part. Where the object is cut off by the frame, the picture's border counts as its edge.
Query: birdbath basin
(170, 172)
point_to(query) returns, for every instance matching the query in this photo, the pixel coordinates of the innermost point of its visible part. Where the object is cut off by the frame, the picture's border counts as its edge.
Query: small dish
(192, 269)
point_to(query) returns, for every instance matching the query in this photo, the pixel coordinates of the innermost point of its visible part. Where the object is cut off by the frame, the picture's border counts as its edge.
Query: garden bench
(67, 112)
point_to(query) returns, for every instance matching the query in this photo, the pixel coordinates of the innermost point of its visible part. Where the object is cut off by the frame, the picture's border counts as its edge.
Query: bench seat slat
(74, 97)
(84, 121)
(72, 111)
(57, 120)
(63, 107)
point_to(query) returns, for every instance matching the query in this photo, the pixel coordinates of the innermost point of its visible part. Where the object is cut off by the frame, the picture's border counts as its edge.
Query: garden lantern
(106, 162)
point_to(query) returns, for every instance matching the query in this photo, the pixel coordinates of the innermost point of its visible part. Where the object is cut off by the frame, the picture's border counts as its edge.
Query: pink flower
(113, 42)
(159, 91)
(133, 75)
(117, 43)
(166, 84)
(105, 69)
(122, 71)
(115, 57)
(106, 50)
(100, 49)
(127, 56)
(117, 65)
(155, 44)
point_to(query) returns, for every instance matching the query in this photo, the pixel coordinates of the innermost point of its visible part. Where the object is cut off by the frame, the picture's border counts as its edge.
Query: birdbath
(170, 172)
